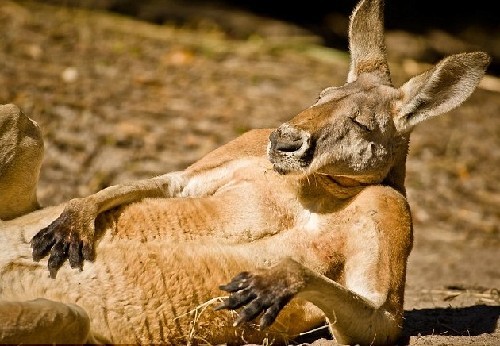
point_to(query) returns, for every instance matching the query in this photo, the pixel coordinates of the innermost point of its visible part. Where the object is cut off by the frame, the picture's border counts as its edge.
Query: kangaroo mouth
(285, 163)
(281, 169)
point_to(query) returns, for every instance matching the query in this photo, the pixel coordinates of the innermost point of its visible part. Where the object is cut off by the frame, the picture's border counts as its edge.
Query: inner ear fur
(366, 42)
(440, 89)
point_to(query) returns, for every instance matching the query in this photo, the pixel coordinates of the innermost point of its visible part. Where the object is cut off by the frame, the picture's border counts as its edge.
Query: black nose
(286, 141)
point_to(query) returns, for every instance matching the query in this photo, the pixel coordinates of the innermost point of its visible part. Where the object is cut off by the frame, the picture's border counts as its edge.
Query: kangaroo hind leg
(43, 321)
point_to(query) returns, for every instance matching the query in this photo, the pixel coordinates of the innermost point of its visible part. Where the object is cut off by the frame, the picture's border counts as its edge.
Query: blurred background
(430, 28)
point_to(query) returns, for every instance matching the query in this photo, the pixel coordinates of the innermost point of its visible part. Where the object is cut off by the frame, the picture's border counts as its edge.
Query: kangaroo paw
(70, 236)
(257, 294)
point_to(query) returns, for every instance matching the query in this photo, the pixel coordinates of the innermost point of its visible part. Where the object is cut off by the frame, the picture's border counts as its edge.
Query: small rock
(69, 75)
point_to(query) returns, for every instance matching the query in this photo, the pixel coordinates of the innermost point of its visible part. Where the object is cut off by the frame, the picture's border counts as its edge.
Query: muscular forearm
(167, 185)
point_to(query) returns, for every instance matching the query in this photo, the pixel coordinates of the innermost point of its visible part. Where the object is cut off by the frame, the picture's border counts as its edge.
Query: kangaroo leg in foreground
(351, 316)
(42, 321)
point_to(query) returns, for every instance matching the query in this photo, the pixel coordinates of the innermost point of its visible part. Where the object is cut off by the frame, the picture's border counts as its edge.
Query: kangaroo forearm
(74, 230)
(167, 185)
(351, 316)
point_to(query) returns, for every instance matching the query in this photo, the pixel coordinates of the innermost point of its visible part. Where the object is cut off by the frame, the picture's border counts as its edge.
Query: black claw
(42, 234)
(52, 273)
(42, 250)
(237, 300)
(58, 255)
(239, 282)
(75, 255)
(41, 243)
(88, 251)
(267, 319)
(270, 315)
(251, 311)
(44, 240)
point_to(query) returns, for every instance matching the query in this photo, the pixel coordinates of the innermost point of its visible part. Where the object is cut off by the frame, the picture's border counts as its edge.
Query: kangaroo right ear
(440, 89)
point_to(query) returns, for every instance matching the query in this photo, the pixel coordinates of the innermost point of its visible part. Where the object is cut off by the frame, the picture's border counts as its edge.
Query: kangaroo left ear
(366, 42)
(440, 89)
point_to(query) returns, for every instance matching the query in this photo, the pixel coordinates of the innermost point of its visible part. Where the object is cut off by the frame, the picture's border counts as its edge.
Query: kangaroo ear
(366, 41)
(440, 89)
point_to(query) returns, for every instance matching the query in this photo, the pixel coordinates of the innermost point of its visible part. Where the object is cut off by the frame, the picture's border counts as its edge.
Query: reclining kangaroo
(309, 220)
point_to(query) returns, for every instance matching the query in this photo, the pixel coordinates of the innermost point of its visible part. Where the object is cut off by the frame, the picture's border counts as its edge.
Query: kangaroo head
(360, 130)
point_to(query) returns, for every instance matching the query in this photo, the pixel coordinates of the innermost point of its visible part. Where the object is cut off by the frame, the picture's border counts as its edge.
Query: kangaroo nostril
(288, 146)
(287, 139)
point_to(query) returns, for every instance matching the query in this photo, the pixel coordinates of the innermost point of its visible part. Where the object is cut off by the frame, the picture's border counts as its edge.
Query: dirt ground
(119, 100)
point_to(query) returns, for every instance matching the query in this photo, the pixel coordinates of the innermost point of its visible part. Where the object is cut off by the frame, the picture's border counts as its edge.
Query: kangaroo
(294, 227)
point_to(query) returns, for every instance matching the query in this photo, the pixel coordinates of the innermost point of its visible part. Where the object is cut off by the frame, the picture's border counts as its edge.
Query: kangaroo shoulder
(386, 205)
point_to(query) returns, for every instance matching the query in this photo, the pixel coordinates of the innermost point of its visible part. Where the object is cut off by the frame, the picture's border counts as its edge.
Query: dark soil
(119, 100)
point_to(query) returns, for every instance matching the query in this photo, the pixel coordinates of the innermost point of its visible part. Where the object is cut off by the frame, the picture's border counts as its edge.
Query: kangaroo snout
(290, 149)
(289, 140)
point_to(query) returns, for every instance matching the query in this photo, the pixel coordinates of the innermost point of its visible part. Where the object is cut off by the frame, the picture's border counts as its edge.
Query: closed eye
(361, 125)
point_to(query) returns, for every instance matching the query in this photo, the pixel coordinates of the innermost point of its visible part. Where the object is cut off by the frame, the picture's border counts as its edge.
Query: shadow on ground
(466, 321)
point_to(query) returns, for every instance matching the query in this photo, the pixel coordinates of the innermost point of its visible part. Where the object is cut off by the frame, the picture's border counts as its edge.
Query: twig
(197, 314)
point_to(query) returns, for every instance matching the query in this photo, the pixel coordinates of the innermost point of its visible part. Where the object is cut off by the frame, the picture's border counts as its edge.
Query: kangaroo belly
(167, 292)
(153, 291)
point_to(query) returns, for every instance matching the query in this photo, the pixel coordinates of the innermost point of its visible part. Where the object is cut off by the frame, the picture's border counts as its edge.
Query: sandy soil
(120, 100)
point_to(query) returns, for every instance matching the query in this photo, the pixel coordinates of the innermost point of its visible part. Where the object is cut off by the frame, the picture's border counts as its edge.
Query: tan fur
(21, 155)
(314, 209)
(42, 319)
